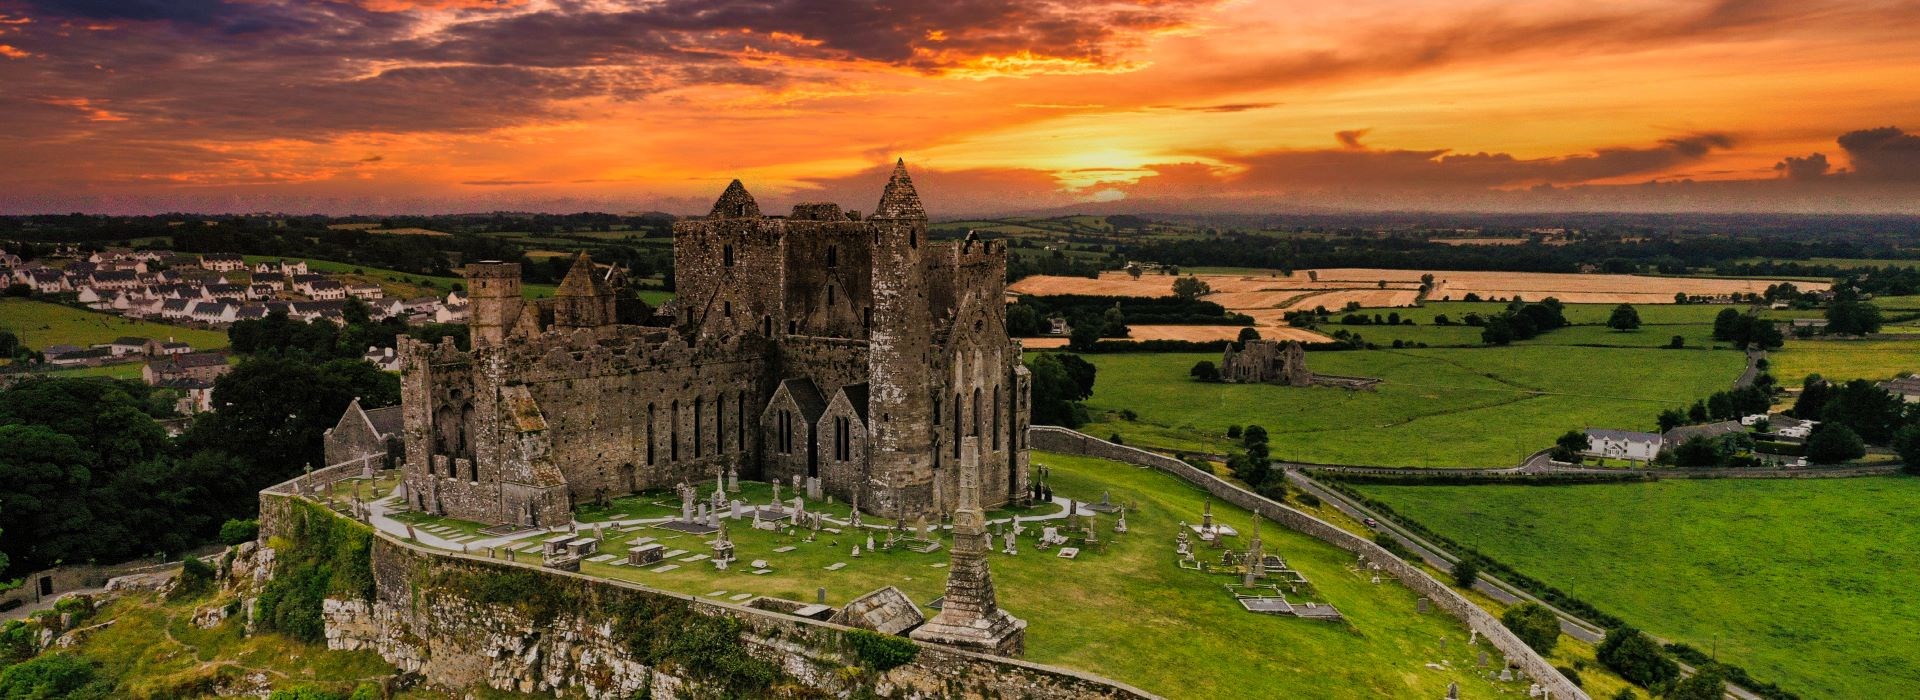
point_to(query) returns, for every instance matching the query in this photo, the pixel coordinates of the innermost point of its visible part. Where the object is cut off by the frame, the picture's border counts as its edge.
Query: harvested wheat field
(1199, 334)
(1239, 292)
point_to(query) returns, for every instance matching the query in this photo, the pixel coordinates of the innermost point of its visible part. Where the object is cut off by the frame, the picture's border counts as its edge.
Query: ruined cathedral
(848, 351)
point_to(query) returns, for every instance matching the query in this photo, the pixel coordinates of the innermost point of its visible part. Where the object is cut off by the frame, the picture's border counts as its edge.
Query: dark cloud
(1885, 154)
(194, 11)
(1812, 167)
(1356, 166)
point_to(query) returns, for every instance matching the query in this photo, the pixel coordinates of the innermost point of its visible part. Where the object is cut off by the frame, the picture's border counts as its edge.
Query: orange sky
(998, 105)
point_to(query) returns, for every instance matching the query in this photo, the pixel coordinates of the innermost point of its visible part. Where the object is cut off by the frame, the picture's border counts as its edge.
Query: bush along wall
(317, 556)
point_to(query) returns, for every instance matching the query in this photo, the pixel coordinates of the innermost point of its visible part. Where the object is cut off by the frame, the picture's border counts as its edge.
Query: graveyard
(1122, 604)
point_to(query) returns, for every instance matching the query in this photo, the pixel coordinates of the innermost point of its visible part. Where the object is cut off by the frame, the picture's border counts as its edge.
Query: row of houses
(1643, 447)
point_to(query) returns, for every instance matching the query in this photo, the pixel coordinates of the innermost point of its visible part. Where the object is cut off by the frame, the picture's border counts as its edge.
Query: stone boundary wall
(1056, 439)
(452, 639)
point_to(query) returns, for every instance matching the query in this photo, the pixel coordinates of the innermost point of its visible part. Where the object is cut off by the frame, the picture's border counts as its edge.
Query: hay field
(1246, 291)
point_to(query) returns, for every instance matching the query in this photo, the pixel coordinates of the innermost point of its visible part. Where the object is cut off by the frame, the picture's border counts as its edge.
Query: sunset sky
(999, 106)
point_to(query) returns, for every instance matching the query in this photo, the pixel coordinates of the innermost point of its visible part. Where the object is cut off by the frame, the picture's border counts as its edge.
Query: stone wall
(1057, 439)
(461, 621)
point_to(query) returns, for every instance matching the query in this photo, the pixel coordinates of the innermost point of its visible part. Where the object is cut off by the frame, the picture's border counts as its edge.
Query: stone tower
(971, 616)
(900, 404)
(583, 300)
(493, 290)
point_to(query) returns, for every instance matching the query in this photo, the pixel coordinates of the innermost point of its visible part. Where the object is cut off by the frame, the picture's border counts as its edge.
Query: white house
(1623, 444)
(222, 262)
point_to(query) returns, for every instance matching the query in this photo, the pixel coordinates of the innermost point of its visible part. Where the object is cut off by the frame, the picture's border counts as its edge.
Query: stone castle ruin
(850, 354)
(1281, 362)
(1266, 362)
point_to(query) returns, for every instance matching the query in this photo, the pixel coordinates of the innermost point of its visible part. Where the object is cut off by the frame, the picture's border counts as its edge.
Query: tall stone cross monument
(971, 616)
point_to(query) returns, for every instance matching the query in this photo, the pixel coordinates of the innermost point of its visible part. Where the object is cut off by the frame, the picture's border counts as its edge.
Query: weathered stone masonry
(818, 345)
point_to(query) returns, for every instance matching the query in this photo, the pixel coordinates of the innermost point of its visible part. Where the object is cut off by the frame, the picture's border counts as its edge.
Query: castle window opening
(842, 438)
(726, 255)
(673, 433)
(699, 404)
(996, 418)
(650, 420)
(833, 256)
(720, 424)
(829, 295)
(728, 306)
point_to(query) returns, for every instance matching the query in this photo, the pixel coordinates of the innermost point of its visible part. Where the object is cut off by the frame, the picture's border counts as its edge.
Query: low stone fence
(1057, 439)
(461, 621)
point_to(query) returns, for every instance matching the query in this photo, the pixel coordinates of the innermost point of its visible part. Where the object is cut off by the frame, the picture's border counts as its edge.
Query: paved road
(1754, 357)
(1494, 588)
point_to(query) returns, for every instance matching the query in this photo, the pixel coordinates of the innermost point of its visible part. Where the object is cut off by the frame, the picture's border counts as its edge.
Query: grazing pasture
(1807, 583)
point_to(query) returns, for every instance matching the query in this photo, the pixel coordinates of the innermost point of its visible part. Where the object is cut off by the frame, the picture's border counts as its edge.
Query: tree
(1725, 324)
(1190, 288)
(1534, 624)
(1853, 317)
(1707, 683)
(1906, 443)
(1057, 389)
(1247, 334)
(1498, 331)
(1205, 371)
(1084, 335)
(1870, 411)
(1465, 573)
(1636, 657)
(1624, 318)
(1133, 271)
(1832, 443)
(1672, 418)
(1698, 451)
(1814, 392)
(1569, 446)
(1023, 321)
(1676, 343)
(1697, 413)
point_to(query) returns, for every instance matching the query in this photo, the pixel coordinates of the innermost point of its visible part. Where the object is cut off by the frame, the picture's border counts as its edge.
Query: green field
(1843, 359)
(1127, 611)
(1806, 583)
(1454, 407)
(396, 283)
(41, 324)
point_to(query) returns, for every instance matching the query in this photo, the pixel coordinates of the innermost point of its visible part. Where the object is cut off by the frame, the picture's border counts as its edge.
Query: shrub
(1534, 624)
(1393, 546)
(1572, 675)
(1634, 655)
(1676, 343)
(1233, 432)
(1465, 573)
(196, 577)
(1707, 683)
(58, 675)
(1115, 439)
(236, 531)
(1307, 499)
(881, 652)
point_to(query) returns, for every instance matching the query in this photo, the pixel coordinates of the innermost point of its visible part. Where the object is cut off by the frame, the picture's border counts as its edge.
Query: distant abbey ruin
(848, 354)
(1280, 362)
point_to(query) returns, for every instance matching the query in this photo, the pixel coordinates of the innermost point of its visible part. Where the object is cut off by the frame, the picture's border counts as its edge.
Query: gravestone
(733, 479)
(1453, 691)
(1483, 659)
(820, 596)
(1420, 606)
(813, 487)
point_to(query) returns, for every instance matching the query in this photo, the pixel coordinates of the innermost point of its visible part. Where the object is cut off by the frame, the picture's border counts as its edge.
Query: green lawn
(41, 324)
(396, 282)
(1843, 359)
(1806, 583)
(1453, 407)
(1128, 612)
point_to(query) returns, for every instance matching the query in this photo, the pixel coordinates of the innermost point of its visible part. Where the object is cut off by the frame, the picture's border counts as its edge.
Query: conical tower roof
(581, 281)
(899, 200)
(735, 203)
